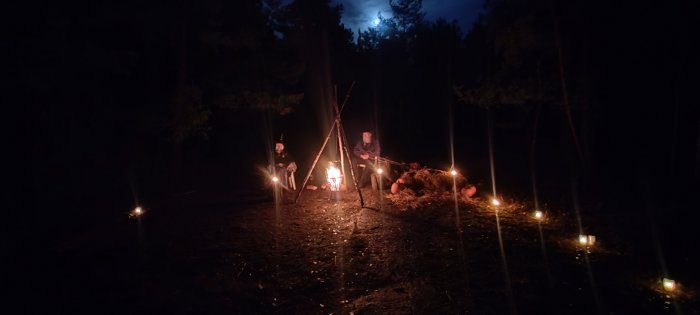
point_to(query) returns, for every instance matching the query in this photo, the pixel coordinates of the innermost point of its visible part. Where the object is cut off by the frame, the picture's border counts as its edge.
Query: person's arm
(291, 164)
(357, 151)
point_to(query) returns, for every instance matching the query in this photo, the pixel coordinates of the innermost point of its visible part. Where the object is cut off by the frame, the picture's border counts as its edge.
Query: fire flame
(334, 178)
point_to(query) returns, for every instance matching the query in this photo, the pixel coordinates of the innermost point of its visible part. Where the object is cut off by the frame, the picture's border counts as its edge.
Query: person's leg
(363, 178)
(374, 178)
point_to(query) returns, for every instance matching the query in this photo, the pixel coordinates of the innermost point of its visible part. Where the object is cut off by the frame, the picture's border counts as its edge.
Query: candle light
(138, 211)
(582, 239)
(669, 284)
(586, 240)
(539, 215)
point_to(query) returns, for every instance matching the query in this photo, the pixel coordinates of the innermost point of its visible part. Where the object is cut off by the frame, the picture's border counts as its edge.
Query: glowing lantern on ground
(669, 284)
(586, 240)
(138, 211)
(334, 178)
(539, 215)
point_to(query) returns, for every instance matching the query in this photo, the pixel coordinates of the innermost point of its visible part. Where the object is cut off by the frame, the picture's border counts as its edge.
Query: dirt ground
(208, 253)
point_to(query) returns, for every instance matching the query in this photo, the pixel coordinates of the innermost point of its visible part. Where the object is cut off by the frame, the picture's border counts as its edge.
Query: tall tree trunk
(565, 96)
(697, 154)
(533, 142)
(178, 146)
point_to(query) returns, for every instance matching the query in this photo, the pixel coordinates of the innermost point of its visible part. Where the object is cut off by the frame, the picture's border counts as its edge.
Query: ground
(223, 252)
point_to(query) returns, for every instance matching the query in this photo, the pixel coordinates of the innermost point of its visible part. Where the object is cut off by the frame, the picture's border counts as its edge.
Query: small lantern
(669, 284)
(586, 240)
(538, 215)
(138, 211)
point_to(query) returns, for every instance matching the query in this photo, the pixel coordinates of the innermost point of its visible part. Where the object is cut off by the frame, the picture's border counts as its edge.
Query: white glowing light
(275, 179)
(453, 172)
(376, 21)
(380, 171)
(539, 215)
(495, 202)
(669, 284)
(586, 240)
(583, 239)
(136, 212)
(334, 178)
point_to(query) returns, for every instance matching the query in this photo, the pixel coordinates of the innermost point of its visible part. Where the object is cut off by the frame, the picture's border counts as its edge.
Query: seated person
(283, 165)
(365, 151)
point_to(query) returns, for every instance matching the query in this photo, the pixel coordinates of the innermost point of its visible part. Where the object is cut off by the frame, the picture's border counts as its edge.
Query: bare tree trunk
(533, 142)
(178, 146)
(565, 96)
(697, 154)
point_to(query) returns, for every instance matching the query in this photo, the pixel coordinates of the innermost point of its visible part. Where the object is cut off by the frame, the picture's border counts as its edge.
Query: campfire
(334, 178)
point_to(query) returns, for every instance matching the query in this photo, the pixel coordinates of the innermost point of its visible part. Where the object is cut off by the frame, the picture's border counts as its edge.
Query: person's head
(279, 147)
(367, 137)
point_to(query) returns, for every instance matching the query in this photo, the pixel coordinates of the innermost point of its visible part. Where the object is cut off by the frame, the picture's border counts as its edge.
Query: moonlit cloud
(360, 14)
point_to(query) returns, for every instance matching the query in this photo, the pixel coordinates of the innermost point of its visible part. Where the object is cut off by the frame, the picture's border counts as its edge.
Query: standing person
(284, 165)
(365, 151)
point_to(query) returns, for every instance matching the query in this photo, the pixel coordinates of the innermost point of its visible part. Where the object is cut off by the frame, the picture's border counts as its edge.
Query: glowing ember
(380, 171)
(334, 178)
(669, 285)
(495, 202)
(453, 172)
(539, 215)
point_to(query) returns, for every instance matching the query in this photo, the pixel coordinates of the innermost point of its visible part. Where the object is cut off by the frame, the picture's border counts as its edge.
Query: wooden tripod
(342, 144)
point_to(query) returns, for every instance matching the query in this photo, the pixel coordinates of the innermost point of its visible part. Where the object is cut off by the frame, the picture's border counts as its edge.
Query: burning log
(334, 177)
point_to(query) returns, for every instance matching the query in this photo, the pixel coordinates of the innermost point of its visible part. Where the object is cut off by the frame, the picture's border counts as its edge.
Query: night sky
(360, 14)
(588, 108)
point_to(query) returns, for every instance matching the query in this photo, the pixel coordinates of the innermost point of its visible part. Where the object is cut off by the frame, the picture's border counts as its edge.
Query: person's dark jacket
(283, 157)
(372, 149)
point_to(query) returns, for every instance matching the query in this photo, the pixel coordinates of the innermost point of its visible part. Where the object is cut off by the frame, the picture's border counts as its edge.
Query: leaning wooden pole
(311, 170)
(352, 167)
(340, 141)
(341, 131)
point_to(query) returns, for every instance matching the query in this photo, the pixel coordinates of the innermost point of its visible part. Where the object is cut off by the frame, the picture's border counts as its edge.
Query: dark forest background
(114, 103)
